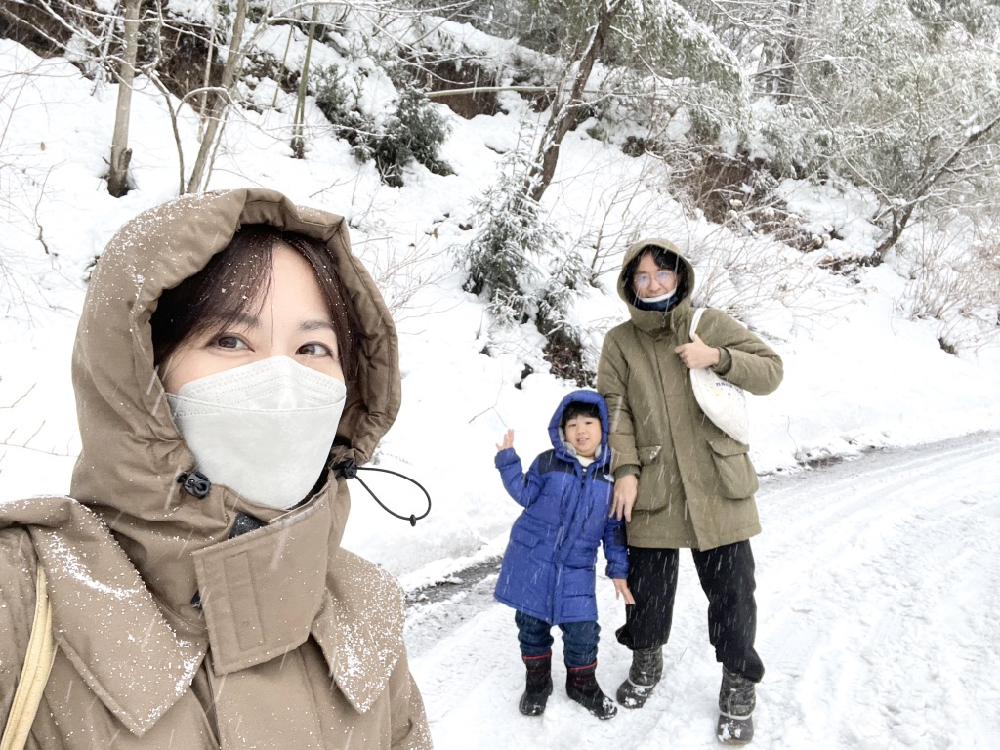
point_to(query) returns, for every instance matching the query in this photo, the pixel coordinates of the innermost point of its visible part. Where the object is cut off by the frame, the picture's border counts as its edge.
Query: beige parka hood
(132, 452)
(126, 615)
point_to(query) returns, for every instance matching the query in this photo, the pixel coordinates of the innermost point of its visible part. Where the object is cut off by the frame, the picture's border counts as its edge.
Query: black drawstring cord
(349, 470)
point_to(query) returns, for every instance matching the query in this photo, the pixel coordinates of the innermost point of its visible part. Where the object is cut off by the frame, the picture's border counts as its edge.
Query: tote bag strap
(35, 672)
(695, 319)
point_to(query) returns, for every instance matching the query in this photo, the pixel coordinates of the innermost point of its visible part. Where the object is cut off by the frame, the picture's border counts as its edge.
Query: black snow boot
(737, 700)
(537, 684)
(647, 667)
(581, 686)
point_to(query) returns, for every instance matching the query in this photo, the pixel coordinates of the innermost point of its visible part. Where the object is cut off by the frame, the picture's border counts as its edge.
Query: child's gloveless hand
(621, 588)
(508, 441)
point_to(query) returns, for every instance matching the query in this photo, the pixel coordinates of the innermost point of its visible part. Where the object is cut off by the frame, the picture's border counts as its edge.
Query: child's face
(584, 434)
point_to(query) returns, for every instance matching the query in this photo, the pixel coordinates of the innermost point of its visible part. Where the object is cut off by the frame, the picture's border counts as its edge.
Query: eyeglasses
(663, 278)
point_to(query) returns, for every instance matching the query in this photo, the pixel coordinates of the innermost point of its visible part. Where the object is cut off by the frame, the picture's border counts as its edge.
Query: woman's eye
(316, 350)
(228, 341)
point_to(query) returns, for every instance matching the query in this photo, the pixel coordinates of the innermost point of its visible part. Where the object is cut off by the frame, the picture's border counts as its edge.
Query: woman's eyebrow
(317, 324)
(246, 320)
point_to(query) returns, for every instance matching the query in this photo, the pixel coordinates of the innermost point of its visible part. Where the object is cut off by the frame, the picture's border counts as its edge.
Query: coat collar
(137, 656)
(360, 627)
(261, 591)
(118, 636)
(263, 595)
(653, 322)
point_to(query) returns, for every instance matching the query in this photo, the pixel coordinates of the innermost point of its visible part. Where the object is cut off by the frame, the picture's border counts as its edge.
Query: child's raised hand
(508, 441)
(621, 588)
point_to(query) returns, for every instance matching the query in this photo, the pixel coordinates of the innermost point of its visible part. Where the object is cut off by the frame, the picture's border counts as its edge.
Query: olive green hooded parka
(696, 484)
(292, 642)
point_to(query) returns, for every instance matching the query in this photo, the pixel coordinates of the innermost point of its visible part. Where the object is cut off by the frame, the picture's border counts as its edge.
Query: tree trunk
(298, 121)
(121, 154)
(221, 100)
(785, 77)
(565, 109)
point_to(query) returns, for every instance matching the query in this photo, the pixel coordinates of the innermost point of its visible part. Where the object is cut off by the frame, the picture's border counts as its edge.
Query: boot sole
(734, 731)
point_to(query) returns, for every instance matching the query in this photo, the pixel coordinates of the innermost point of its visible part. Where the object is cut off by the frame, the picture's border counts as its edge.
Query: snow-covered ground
(877, 583)
(878, 600)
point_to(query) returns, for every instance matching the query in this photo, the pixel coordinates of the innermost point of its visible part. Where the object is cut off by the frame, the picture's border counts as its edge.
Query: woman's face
(652, 281)
(293, 321)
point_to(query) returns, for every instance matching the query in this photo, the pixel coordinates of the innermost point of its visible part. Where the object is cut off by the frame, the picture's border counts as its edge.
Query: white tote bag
(721, 401)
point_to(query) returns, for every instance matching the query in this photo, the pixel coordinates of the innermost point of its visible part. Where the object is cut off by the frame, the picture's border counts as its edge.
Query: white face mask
(655, 300)
(263, 429)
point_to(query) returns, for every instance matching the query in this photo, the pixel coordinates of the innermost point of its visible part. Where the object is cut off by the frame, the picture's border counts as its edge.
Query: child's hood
(555, 424)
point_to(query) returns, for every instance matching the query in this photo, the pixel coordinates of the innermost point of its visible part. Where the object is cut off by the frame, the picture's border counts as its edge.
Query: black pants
(727, 578)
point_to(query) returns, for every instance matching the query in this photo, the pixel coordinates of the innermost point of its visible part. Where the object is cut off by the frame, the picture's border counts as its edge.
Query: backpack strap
(35, 671)
(695, 319)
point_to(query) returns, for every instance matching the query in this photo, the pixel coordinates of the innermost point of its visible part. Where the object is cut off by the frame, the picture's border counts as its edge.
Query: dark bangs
(235, 283)
(576, 409)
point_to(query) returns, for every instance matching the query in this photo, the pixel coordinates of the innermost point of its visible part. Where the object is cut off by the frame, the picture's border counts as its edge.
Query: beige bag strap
(35, 672)
(695, 319)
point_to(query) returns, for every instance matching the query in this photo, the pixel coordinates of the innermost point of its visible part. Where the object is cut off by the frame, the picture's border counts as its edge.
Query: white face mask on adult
(657, 300)
(263, 429)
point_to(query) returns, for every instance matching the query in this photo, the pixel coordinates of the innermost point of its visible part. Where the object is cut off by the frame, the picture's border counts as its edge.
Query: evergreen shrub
(414, 132)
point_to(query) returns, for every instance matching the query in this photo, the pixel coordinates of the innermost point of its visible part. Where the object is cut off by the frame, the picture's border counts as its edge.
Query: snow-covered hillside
(858, 373)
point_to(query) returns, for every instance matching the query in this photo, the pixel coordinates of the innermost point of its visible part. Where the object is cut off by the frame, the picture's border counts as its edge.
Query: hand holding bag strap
(35, 672)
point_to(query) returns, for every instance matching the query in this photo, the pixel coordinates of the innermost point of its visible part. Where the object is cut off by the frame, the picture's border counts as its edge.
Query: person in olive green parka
(681, 482)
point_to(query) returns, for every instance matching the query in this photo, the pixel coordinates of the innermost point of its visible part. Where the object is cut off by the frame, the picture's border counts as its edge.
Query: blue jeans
(579, 639)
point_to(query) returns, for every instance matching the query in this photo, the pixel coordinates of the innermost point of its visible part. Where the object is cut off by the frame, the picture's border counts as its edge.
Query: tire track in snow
(861, 655)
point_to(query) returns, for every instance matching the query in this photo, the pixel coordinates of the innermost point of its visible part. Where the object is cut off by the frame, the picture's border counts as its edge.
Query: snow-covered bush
(413, 132)
(953, 273)
(517, 264)
(912, 97)
(501, 259)
(564, 348)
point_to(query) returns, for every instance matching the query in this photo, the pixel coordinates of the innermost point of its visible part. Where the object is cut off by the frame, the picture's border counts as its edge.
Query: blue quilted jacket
(549, 567)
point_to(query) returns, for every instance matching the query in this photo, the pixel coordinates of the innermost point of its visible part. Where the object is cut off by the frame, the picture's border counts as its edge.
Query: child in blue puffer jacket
(548, 572)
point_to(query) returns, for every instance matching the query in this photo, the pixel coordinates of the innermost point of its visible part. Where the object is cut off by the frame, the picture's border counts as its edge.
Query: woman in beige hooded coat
(232, 358)
(680, 481)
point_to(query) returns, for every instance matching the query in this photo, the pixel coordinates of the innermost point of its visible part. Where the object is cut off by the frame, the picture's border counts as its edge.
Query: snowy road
(879, 623)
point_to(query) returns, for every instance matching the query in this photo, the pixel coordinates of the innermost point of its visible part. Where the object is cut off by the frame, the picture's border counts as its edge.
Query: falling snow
(877, 576)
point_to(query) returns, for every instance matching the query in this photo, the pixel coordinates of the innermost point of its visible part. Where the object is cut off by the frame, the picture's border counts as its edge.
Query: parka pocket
(653, 490)
(735, 476)
(521, 536)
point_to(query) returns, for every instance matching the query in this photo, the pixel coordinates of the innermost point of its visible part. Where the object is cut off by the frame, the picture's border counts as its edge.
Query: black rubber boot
(737, 700)
(537, 684)
(647, 667)
(581, 686)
